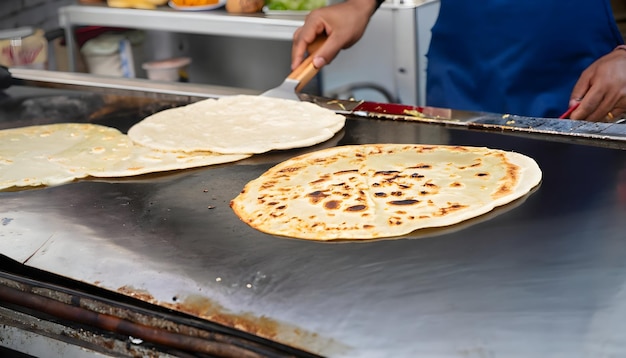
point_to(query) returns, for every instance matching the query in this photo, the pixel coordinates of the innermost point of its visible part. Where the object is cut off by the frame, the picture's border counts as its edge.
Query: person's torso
(520, 57)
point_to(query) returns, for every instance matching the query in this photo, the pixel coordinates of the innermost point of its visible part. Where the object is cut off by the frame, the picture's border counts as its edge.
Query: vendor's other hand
(601, 89)
(344, 24)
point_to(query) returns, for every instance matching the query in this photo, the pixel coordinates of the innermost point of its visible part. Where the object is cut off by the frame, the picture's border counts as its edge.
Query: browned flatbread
(382, 190)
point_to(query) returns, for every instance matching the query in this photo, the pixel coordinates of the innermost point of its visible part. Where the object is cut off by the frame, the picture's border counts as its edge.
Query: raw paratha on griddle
(382, 190)
(25, 152)
(238, 124)
(55, 154)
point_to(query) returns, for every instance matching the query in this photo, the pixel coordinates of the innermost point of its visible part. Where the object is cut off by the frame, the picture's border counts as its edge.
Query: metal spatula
(299, 77)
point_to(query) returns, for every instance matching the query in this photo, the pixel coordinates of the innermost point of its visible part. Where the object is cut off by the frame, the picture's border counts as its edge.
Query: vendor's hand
(344, 24)
(601, 89)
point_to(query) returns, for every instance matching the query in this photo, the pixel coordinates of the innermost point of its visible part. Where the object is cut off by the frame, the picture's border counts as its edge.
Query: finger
(619, 114)
(328, 51)
(580, 88)
(298, 48)
(581, 110)
(605, 110)
(588, 105)
(594, 109)
(603, 113)
(302, 38)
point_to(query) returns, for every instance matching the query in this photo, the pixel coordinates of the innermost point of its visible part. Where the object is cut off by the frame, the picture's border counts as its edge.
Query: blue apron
(519, 57)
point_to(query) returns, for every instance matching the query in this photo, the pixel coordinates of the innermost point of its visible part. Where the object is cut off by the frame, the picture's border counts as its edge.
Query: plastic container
(172, 70)
(112, 54)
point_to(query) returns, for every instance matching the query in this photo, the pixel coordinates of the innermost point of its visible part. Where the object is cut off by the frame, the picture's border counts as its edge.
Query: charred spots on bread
(421, 166)
(430, 188)
(388, 196)
(502, 190)
(386, 172)
(346, 171)
(319, 181)
(356, 208)
(267, 185)
(452, 207)
(317, 196)
(332, 204)
(404, 202)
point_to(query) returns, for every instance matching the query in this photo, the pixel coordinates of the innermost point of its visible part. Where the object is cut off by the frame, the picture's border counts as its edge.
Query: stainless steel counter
(542, 277)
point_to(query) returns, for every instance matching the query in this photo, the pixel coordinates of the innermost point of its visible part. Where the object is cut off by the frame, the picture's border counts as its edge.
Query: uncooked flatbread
(25, 152)
(238, 124)
(59, 153)
(130, 159)
(382, 190)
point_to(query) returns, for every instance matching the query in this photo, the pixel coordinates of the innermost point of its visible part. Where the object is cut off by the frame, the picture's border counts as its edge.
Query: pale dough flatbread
(25, 152)
(59, 153)
(238, 124)
(382, 190)
(131, 159)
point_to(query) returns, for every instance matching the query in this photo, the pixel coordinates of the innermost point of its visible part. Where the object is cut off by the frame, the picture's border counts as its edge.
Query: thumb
(326, 53)
(319, 62)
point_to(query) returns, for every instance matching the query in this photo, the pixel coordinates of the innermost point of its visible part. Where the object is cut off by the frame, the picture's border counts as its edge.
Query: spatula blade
(286, 90)
(299, 77)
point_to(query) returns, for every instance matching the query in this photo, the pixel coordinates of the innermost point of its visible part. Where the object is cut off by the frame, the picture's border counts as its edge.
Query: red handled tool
(569, 111)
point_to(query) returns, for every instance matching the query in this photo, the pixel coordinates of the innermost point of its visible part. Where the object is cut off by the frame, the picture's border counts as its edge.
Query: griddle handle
(6, 80)
(54, 34)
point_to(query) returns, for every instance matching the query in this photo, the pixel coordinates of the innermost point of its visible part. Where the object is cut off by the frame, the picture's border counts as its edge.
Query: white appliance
(390, 59)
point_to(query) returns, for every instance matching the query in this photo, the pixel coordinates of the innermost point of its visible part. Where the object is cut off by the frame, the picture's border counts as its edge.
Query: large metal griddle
(542, 277)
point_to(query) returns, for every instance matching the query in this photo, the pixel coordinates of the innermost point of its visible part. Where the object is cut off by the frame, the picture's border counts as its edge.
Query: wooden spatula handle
(306, 71)
(316, 44)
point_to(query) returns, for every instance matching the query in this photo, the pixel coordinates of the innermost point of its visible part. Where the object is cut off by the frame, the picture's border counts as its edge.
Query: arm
(601, 88)
(343, 23)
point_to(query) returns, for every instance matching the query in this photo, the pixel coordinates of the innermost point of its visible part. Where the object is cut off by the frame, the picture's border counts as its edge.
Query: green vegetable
(301, 5)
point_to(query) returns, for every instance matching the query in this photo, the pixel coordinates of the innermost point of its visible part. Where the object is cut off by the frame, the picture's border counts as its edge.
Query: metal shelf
(406, 22)
(215, 22)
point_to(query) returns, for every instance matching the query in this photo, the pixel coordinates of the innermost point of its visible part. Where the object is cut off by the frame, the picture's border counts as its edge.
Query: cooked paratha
(238, 124)
(55, 154)
(382, 190)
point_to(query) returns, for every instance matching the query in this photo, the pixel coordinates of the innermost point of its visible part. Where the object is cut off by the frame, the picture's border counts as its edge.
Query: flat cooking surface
(543, 277)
